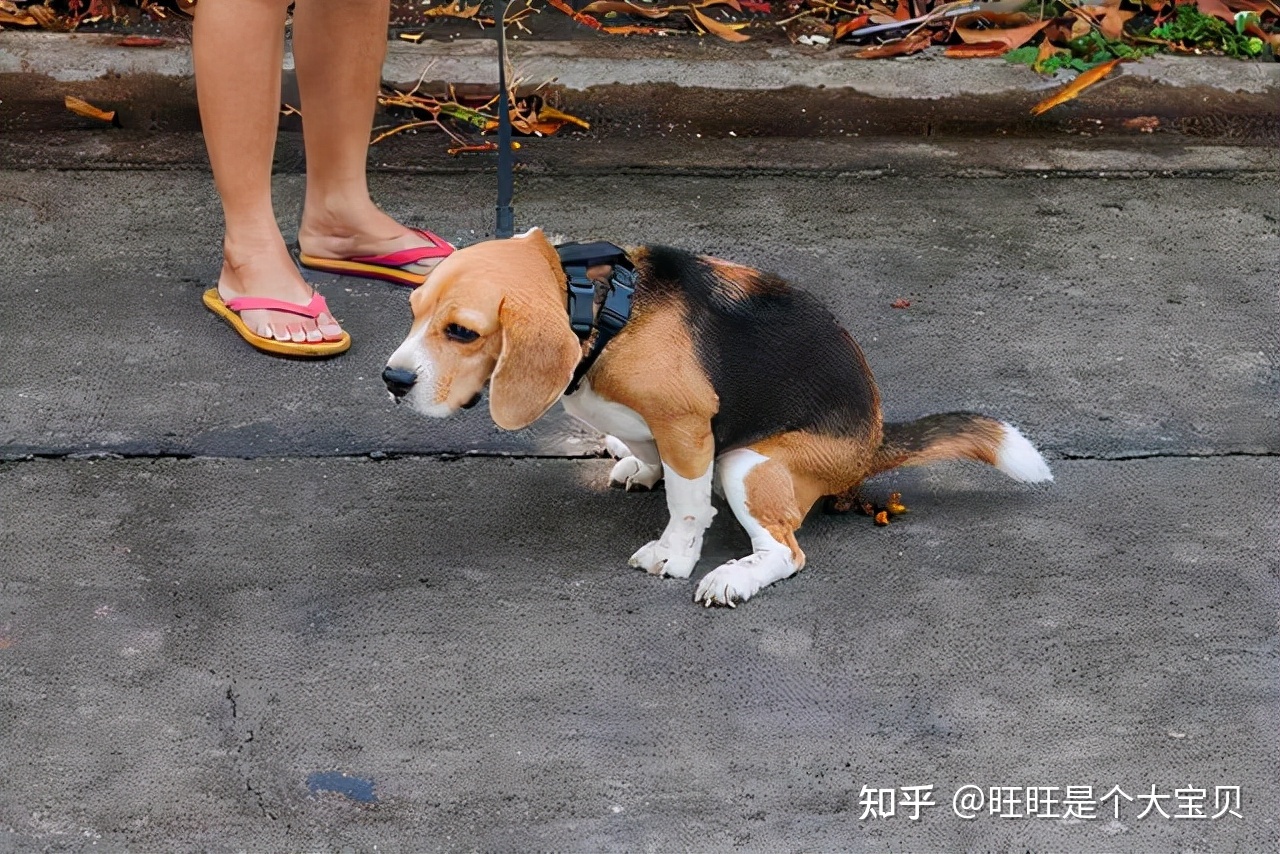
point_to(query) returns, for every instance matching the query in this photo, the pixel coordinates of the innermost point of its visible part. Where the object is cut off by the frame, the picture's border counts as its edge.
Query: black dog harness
(615, 309)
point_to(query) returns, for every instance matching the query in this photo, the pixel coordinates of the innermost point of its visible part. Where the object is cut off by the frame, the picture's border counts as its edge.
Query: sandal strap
(313, 309)
(440, 248)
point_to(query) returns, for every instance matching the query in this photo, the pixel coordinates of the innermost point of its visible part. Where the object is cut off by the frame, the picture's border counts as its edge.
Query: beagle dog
(720, 367)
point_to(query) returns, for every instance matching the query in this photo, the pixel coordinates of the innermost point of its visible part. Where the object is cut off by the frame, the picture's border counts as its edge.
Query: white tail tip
(1019, 459)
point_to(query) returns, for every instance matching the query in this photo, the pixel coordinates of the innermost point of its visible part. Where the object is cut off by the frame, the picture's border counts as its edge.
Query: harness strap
(614, 312)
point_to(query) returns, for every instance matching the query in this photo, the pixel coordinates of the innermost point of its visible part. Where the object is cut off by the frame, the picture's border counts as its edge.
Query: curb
(580, 66)
(781, 91)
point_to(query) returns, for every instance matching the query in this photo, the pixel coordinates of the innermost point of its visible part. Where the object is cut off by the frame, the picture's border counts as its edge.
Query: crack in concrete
(241, 759)
(1160, 455)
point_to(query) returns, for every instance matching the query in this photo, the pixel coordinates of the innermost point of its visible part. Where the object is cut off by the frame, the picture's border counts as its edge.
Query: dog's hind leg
(770, 502)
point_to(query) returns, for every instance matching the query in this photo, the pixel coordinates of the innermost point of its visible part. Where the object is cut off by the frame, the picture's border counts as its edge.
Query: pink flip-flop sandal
(386, 268)
(229, 311)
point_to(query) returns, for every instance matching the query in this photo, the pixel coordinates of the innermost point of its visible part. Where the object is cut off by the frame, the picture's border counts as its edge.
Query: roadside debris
(847, 502)
(1091, 37)
(1075, 87)
(1046, 35)
(462, 119)
(83, 108)
(1143, 124)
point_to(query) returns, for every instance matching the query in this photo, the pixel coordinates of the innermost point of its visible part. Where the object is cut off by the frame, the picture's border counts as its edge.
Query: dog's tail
(960, 436)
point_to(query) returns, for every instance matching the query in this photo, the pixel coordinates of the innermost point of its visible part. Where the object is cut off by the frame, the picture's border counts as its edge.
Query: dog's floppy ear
(539, 353)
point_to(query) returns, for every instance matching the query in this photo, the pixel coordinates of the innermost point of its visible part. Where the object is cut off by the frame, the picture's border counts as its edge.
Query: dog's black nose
(399, 381)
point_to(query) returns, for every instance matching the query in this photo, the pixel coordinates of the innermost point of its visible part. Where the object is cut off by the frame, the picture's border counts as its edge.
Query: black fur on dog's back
(776, 356)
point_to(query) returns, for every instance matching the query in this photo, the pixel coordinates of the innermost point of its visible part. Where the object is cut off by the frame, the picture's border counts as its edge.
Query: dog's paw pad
(726, 585)
(656, 558)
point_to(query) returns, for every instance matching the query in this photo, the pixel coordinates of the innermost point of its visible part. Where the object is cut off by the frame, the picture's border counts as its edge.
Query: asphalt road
(223, 575)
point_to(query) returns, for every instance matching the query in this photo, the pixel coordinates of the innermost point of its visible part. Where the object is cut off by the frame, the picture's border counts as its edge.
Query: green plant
(1081, 54)
(1189, 27)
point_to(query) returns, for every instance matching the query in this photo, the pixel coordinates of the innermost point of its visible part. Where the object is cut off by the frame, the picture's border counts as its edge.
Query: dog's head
(492, 312)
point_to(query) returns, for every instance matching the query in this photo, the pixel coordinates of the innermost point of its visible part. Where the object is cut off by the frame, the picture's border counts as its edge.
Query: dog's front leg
(688, 456)
(638, 468)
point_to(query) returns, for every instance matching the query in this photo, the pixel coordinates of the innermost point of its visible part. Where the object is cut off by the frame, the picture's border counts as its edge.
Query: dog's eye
(461, 334)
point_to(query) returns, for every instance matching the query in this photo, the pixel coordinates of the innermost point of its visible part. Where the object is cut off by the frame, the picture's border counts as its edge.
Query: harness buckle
(616, 310)
(582, 301)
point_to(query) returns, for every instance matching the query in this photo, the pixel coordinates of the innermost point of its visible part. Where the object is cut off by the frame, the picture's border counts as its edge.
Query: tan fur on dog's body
(512, 295)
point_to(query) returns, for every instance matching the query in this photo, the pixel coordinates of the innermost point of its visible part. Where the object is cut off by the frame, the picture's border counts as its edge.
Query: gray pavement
(221, 574)
(186, 642)
(1105, 317)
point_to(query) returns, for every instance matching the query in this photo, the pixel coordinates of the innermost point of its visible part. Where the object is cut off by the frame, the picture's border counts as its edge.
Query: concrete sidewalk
(1109, 318)
(256, 594)
(184, 644)
(222, 575)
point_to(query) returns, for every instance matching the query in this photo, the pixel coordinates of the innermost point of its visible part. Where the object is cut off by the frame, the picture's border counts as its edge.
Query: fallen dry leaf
(453, 10)
(1258, 6)
(1014, 37)
(1075, 87)
(604, 7)
(845, 27)
(552, 114)
(900, 303)
(976, 50)
(1111, 18)
(1047, 50)
(999, 19)
(724, 31)
(83, 108)
(913, 43)
(17, 20)
(585, 20)
(633, 30)
(1216, 9)
(49, 20)
(545, 122)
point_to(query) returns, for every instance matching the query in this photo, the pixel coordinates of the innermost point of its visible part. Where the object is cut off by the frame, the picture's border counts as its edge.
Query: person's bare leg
(237, 47)
(338, 51)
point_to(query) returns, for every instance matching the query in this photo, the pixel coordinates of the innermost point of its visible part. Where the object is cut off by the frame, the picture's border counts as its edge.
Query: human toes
(328, 327)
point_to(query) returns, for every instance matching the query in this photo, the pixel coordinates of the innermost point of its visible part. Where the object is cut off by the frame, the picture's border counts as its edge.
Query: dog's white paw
(616, 448)
(739, 580)
(660, 558)
(634, 475)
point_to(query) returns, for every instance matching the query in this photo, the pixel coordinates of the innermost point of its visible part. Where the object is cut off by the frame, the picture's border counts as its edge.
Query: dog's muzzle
(399, 381)
(472, 402)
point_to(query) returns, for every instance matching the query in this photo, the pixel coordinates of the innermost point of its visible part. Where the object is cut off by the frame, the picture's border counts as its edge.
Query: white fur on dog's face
(450, 369)
(492, 312)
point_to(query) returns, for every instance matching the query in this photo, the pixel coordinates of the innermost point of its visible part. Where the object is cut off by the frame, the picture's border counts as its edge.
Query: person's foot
(357, 234)
(265, 269)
